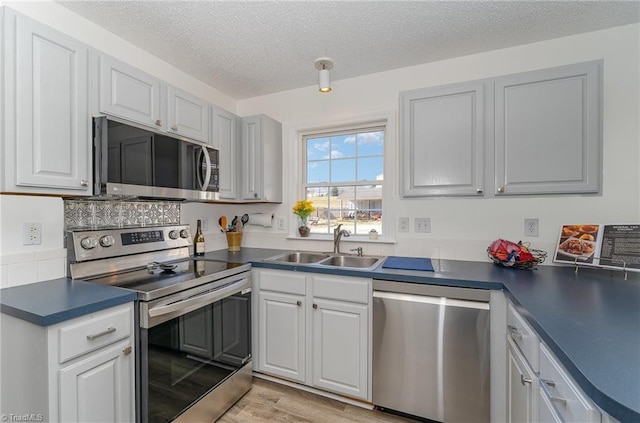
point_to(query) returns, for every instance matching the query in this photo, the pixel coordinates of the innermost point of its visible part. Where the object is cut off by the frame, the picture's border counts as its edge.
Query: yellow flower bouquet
(303, 208)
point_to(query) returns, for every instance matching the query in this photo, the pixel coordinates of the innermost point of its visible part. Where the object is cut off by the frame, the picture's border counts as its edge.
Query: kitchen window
(343, 178)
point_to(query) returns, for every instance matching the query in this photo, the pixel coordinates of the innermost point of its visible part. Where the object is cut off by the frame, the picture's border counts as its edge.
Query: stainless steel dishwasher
(431, 351)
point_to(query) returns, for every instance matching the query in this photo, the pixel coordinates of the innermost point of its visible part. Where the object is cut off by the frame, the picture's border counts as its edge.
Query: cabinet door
(281, 338)
(188, 115)
(547, 129)
(442, 138)
(252, 164)
(224, 133)
(546, 412)
(130, 93)
(521, 388)
(47, 107)
(99, 388)
(340, 354)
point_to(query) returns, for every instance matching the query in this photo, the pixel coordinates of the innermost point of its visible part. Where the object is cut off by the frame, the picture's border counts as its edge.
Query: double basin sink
(328, 260)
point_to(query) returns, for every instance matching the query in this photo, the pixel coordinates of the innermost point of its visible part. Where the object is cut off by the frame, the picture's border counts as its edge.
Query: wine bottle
(198, 241)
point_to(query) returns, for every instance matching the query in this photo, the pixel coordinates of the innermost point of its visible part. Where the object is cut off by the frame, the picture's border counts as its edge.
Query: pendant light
(324, 81)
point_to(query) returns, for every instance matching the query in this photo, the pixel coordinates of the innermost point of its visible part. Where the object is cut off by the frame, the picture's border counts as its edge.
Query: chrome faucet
(337, 235)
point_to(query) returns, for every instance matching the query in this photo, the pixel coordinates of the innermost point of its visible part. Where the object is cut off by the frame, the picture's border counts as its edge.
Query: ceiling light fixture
(324, 82)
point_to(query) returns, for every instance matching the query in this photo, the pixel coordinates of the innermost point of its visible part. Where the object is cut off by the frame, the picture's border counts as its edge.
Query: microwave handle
(204, 182)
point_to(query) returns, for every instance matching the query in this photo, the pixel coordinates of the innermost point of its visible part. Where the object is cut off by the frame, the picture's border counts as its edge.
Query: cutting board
(408, 263)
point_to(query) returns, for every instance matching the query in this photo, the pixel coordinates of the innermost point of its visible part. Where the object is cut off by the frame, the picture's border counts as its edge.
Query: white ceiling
(246, 49)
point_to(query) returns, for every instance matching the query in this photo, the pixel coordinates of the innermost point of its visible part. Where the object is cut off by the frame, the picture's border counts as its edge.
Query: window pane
(317, 171)
(371, 143)
(318, 148)
(369, 206)
(343, 146)
(370, 169)
(343, 170)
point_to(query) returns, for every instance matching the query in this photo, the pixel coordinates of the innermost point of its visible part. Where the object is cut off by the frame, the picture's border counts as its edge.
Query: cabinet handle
(548, 393)
(524, 380)
(91, 337)
(315, 306)
(500, 190)
(84, 183)
(174, 128)
(513, 332)
(127, 350)
(299, 303)
(479, 190)
(255, 195)
(158, 122)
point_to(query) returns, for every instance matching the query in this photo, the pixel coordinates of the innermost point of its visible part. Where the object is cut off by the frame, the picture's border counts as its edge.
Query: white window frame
(385, 121)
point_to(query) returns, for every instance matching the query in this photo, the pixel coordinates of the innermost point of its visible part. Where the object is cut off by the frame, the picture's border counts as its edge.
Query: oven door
(189, 354)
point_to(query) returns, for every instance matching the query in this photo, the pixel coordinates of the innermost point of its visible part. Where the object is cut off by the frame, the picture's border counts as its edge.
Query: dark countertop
(50, 302)
(590, 320)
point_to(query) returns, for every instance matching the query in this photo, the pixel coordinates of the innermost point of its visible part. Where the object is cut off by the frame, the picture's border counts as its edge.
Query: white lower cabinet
(521, 387)
(314, 329)
(282, 335)
(80, 370)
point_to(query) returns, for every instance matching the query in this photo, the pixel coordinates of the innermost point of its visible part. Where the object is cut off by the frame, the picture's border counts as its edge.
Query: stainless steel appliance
(133, 160)
(431, 351)
(193, 355)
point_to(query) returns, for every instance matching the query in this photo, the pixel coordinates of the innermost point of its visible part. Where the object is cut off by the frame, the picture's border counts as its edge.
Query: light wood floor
(275, 403)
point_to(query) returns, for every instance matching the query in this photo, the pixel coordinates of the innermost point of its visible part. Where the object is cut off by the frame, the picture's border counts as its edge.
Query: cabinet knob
(524, 380)
(84, 183)
(255, 195)
(126, 350)
(174, 128)
(158, 122)
(479, 191)
(299, 303)
(315, 306)
(500, 190)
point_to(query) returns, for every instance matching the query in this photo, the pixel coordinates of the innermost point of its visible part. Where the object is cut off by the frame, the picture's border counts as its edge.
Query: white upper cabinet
(548, 133)
(261, 159)
(536, 132)
(188, 115)
(131, 94)
(224, 138)
(45, 94)
(443, 140)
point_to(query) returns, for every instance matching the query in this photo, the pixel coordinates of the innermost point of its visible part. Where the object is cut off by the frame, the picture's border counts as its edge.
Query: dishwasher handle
(425, 299)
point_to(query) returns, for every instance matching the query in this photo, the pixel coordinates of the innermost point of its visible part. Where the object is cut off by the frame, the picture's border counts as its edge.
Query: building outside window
(344, 175)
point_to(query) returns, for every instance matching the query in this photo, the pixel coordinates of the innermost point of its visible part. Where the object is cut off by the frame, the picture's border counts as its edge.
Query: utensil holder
(234, 239)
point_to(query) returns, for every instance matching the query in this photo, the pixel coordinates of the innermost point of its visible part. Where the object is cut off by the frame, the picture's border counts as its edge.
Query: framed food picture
(603, 245)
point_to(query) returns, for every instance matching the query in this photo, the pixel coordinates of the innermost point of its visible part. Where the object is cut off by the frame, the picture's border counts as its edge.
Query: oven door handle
(195, 302)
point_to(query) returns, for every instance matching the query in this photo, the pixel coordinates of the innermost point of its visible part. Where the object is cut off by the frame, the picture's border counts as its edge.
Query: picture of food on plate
(588, 229)
(587, 237)
(577, 247)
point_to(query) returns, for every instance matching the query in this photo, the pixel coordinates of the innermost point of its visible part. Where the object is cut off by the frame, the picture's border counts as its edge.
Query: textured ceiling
(246, 49)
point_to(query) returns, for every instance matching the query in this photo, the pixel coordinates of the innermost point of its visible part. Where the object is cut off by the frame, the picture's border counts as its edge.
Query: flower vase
(304, 229)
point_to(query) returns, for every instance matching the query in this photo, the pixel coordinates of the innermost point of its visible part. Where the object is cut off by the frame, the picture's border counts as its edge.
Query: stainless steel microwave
(130, 160)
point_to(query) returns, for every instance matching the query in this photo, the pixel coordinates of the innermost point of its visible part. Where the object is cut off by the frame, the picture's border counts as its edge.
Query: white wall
(462, 228)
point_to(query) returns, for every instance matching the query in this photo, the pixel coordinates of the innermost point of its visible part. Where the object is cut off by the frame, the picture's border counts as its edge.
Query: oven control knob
(173, 234)
(107, 241)
(184, 233)
(88, 242)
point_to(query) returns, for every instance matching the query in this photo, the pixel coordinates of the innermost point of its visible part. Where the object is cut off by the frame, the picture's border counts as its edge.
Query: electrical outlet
(403, 224)
(32, 234)
(531, 227)
(281, 224)
(422, 225)
(205, 224)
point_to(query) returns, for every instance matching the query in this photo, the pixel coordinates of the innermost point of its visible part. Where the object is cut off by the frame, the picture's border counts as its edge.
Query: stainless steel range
(193, 341)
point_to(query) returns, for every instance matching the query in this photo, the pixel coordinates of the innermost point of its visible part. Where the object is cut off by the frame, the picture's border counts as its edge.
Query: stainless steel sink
(352, 261)
(299, 257)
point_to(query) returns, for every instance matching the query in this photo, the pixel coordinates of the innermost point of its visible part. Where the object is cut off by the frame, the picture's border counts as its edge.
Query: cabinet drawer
(524, 337)
(287, 282)
(566, 398)
(342, 288)
(95, 331)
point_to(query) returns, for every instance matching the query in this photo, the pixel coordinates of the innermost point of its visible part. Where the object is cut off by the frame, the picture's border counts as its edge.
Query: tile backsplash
(117, 213)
